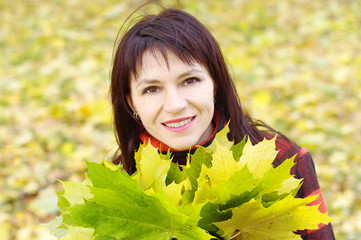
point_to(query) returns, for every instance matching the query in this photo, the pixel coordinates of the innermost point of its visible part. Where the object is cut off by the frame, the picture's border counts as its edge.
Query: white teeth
(178, 124)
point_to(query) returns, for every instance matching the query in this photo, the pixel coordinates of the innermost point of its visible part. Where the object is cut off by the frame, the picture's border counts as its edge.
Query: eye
(190, 81)
(150, 90)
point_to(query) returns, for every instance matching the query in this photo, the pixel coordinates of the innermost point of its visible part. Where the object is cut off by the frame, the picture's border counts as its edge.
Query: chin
(182, 147)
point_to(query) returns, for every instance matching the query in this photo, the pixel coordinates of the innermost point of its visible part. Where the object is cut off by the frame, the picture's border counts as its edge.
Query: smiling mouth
(178, 124)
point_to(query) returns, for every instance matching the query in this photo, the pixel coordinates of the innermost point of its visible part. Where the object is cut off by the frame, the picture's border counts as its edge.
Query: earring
(136, 116)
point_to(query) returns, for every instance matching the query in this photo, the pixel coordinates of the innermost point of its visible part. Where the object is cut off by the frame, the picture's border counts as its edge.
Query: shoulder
(287, 149)
(304, 167)
(303, 160)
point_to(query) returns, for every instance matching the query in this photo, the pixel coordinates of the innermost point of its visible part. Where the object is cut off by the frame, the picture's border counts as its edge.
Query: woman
(171, 86)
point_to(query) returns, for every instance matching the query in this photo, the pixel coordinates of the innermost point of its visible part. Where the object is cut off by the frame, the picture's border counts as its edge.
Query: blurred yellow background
(296, 64)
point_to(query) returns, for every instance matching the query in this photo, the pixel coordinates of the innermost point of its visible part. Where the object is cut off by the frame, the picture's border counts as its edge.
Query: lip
(179, 129)
(177, 120)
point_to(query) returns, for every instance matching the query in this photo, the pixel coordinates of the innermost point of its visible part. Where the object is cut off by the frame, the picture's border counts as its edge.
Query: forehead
(155, 60)
(163, 57)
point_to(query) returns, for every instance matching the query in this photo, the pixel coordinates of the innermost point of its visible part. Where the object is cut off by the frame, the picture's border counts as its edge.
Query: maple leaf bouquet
(229, 191)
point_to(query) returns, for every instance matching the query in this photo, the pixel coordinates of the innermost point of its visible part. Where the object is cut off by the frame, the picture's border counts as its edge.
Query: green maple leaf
(78, 233)
(175, 174)
(237, 149)
(107, 175)
(253, 221)
(116, 206)
(199, 159)
(211, 213)
(241, 181)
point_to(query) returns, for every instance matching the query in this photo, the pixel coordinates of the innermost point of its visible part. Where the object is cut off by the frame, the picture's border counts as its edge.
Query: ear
(130, 103)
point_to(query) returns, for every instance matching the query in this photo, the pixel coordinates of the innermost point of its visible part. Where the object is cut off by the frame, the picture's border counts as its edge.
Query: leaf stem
(235, 235)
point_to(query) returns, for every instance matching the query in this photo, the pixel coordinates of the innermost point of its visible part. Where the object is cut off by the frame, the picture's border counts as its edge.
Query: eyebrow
(153, 81)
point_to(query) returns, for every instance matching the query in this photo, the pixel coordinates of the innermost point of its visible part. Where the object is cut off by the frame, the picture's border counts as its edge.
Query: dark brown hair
(179, 32)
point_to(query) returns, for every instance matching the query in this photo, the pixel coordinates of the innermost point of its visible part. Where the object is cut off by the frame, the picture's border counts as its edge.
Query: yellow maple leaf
(259, 157)
(254, 221)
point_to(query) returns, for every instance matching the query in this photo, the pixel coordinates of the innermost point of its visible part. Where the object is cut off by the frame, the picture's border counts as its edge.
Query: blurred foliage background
(296, 64)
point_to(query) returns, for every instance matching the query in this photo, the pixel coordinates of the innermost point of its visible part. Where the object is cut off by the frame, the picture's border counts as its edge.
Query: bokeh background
(296, 64)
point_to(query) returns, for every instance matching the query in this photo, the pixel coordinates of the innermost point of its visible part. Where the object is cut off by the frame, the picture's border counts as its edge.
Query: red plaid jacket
(305, 168)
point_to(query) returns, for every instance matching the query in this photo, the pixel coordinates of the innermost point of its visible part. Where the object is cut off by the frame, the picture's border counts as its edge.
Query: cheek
(205, 105)
(139, 104)
(147, 113)
(208, 102)
(206, 97)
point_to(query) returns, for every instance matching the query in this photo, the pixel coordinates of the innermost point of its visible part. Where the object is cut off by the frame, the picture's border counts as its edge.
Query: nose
(174, 101)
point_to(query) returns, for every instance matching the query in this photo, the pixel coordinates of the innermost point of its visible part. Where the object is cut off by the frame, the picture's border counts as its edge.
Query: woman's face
(174, 102)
